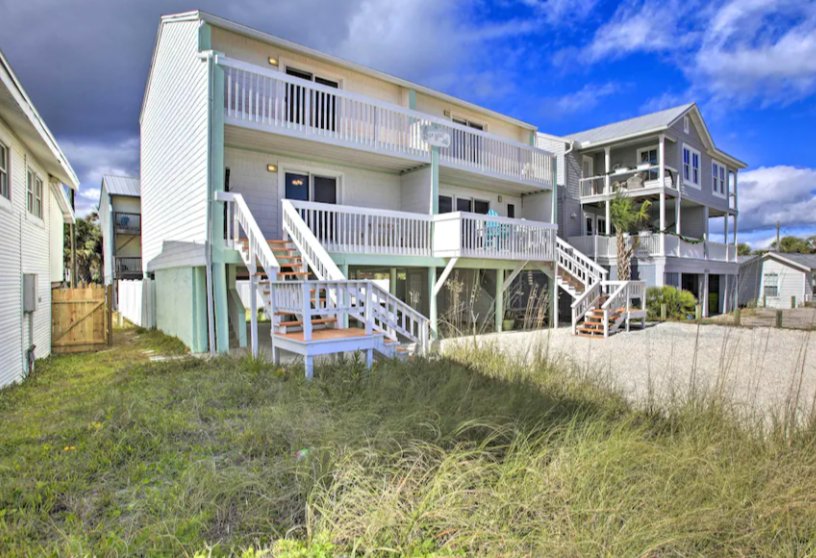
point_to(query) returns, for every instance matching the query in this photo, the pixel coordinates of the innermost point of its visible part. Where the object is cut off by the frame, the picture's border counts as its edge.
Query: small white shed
(778, 280)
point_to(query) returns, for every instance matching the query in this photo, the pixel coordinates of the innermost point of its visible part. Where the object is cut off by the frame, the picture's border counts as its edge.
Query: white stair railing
(391, 314)
(242, 221)
(585, 302)
(578, 265)
(310, 248)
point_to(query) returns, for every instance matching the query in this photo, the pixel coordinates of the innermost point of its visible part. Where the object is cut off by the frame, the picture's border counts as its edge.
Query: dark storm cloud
(85, 63)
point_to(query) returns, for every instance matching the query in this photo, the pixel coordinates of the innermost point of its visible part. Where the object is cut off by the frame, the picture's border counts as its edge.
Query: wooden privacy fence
(81, 319)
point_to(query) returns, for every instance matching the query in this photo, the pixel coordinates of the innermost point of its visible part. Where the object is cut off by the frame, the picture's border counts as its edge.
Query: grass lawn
(111, 454)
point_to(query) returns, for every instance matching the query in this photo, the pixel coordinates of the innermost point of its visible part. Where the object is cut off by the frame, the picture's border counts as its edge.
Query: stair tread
(315, 321)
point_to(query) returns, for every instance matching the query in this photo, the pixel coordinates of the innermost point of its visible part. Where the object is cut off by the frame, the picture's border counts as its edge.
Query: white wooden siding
(107, 235)
(56, 231)
(25, 249)
(175, 136)
(263, 190)
(791, 283)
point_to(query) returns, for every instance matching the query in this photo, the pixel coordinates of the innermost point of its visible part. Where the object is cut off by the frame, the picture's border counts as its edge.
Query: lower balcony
(656, 244)
(359, 230)
(127, 267)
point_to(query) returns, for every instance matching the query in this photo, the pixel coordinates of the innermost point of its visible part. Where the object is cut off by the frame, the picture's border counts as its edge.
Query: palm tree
(627, 217)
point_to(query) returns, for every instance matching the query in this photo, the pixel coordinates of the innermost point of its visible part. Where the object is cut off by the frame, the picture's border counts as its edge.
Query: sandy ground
(760, 369)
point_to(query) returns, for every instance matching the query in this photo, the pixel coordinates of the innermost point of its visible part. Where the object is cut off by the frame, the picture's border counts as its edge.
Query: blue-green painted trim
(204, 37)
(385, 261)
(412, 99)
(532, 138)
(433, 312)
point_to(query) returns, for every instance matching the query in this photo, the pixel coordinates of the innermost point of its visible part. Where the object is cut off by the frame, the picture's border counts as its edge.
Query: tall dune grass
(473, 454)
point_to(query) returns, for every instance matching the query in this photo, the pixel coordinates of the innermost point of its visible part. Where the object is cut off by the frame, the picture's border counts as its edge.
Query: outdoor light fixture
(500, 198)
(271, 167)
(272, 61)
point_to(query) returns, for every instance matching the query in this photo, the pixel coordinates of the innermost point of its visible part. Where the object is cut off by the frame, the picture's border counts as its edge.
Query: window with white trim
(718, 177)
(34, 194)
(771, 284)
(686, 124)
(691, 166)
(5, 178)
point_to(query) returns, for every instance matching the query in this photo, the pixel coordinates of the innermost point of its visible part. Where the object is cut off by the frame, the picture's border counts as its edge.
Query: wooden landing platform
(326, 334)
(326, 342)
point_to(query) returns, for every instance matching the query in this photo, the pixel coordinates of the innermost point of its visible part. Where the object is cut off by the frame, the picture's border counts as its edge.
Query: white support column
(725, 228)
(705, 222)
(736, 206)
(661, 176)
(607, 187)
(678, 203)
(704, 291)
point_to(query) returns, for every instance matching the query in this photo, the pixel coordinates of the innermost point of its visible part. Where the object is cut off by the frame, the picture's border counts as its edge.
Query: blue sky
(564, 65)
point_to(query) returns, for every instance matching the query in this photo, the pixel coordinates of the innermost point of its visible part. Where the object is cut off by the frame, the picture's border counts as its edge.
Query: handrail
(325, 269)
(257, 245)
(584, 302)
(578, 264)
(263, 97)
(316, 256)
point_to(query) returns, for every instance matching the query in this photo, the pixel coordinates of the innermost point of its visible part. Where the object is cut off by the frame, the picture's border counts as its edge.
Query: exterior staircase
(306, 295)
(599, 307)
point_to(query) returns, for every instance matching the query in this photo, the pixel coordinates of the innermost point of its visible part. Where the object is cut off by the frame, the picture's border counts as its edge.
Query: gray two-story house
(669, 158)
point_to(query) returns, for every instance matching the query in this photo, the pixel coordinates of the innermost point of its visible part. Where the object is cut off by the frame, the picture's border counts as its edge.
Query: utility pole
(778, 248)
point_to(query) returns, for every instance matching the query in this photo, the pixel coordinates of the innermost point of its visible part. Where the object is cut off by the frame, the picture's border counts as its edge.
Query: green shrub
(680, 304)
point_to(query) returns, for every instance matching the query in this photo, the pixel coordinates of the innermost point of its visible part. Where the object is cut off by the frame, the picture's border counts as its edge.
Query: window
(771, 284)
(322, 106)
(465, 146)
(718, 175)
(5, 182)
(511, 210)
(310, 187)
(648, 156)
(686, 124)
(691, 166)
(34, 194)
(464, 204)
(471, 205)
(481, 206)
(601, 228)
(588, 166)
(445, 204)
(589, 224)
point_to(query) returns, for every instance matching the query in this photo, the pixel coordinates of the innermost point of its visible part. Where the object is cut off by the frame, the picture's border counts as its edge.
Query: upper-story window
(5, 178)
(34, 194)
(310, 107)
(691, 166)
(464, 145)
(686, 124)
(718, 176)
(648, 156)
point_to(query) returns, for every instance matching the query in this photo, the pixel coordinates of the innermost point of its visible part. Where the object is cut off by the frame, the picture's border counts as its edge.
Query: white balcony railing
(628, 181)
(362, 230)
(272, 100)
(657, 245)
(473, 235)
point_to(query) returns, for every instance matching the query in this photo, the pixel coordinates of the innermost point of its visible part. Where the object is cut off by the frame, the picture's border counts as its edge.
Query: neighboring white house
(120, 219)
(259, 154)
(669, 158)
(34, 208)
(778, 280)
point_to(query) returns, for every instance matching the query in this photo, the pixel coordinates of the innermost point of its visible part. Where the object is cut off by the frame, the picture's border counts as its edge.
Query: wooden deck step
(293, 273)
(315, 321)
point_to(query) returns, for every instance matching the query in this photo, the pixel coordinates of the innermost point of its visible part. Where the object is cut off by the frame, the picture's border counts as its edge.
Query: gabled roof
(803, 260)
(637, 126)
(121, 185)
(249, 32)
(651, 123)
(19, 112)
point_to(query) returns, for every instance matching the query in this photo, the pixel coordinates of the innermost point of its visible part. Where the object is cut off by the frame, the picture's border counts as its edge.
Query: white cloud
(585, 99)
(755, 49)
(781, 193)
(92, 160)
(650, 26)
(563, 12)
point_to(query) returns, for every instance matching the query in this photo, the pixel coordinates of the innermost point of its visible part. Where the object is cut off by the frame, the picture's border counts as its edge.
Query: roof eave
(218, 21)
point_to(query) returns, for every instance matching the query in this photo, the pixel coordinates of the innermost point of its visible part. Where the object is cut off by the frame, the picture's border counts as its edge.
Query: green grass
(110, 454)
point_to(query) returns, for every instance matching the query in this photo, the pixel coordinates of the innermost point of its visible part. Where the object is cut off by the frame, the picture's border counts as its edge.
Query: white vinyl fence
(136, 301)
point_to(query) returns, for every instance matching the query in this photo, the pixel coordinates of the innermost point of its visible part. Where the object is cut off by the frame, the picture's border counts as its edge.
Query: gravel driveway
(759, 369)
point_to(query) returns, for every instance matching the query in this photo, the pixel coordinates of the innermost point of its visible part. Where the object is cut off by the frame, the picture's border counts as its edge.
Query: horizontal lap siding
(791, 283)
(263, 190)
(174, 132)
(25, 249)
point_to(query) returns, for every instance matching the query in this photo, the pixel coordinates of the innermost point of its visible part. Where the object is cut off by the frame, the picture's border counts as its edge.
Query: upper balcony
(657, 244)
(643, 180)
(271, 102)
(127, 223)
